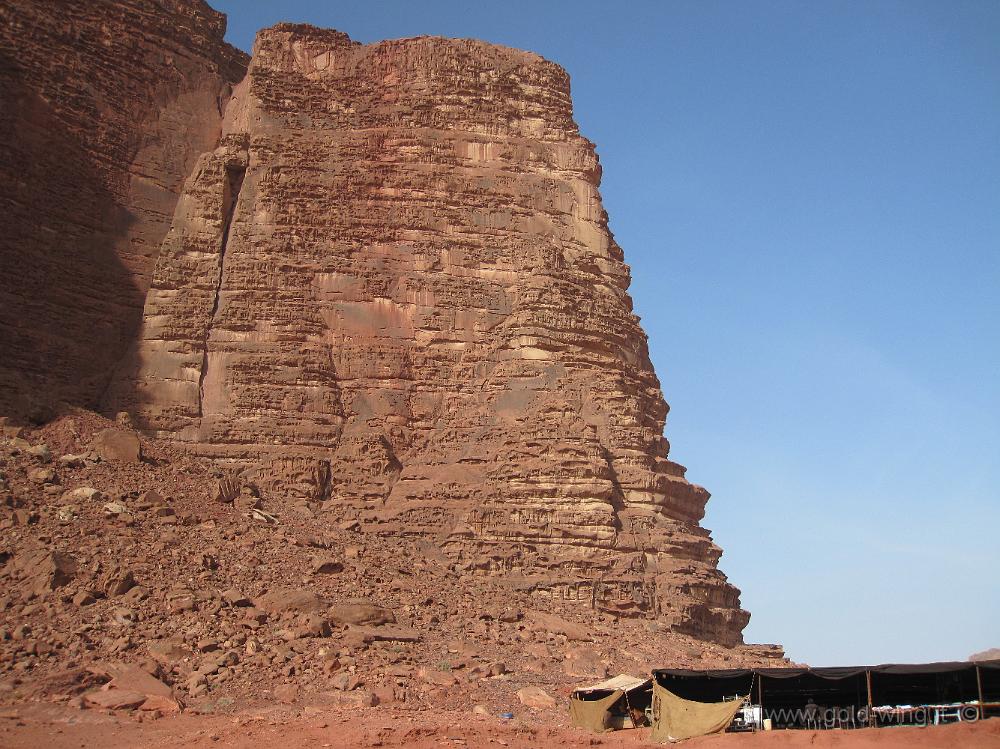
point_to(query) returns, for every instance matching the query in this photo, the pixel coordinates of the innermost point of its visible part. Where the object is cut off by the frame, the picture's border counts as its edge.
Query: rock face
(104, 107)
(391, 289)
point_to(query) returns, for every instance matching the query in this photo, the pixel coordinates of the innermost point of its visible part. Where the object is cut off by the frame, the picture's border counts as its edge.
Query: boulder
(114, 699)
(326, 566)
(45, 571)
(168, 652)
(227, 489)
(536, 697)
(117, 445)
(233, 597)
(130, 687)
(40, 452)
(118, 582)
(359, 612)
(287, 693)
(357, 698)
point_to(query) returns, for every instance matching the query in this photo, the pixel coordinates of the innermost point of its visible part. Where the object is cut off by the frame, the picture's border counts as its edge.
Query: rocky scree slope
(127, 559)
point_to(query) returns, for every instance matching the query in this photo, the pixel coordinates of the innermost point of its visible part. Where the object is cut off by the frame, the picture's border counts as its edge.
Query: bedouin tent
(854, 690)
(675, 718)
(594, 707)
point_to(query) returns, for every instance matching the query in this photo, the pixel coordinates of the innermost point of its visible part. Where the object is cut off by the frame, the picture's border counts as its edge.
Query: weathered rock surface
(391, 295)
(104, 107)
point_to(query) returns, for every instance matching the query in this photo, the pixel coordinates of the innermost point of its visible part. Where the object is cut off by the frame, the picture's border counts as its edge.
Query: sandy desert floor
(40, 725)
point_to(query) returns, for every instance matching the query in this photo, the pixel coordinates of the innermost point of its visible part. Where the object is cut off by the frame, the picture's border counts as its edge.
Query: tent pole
(979, 689)
(628, 708)
(871, 713)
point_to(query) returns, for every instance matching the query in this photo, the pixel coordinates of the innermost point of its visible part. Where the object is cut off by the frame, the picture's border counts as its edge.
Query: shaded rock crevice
(105, 106)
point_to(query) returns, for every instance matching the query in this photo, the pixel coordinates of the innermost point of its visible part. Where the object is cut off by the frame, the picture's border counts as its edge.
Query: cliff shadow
(69, 307)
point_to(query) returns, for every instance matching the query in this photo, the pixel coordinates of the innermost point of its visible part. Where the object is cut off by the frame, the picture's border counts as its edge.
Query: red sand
(39, 725)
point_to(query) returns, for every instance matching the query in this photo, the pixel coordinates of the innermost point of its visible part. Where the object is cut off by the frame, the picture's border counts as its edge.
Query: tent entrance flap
(675, 718)
(593, 715)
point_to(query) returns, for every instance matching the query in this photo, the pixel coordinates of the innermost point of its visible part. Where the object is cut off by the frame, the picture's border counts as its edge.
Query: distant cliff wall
(105, 105)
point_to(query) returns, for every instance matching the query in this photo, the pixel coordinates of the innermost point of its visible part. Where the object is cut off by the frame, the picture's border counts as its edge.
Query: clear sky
(809, 196)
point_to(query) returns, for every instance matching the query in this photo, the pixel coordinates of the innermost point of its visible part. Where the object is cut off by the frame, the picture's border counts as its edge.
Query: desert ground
(58, 727)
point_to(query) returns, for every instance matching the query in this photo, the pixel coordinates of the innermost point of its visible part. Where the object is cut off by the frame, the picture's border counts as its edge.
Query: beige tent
(606, 706)
(675, 718)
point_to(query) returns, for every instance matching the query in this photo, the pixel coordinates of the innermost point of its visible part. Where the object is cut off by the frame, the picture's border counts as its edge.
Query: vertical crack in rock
(235, 174)
(428, 321)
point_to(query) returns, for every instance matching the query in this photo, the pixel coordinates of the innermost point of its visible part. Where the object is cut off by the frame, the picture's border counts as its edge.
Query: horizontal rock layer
(391, 289)
(104, 107)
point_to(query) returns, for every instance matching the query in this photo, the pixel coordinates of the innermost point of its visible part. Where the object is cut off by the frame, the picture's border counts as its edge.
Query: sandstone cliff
(104, 107)
(391, 294)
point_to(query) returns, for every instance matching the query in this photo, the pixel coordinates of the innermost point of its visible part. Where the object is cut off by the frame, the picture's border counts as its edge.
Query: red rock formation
(392, 290)
(104, 107)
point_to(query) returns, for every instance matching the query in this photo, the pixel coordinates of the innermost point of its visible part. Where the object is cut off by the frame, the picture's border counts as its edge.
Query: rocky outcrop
(104, 107)
(391, 293)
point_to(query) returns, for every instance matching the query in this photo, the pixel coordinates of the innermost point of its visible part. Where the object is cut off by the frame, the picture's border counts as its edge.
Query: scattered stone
(357, 698)
(585, 662)
(389, 634)
(234, 598)
(83, 494)
(123, 616)
(67, 514)
(43, 476)
(247, 502)
(264, 516)
(40, 452)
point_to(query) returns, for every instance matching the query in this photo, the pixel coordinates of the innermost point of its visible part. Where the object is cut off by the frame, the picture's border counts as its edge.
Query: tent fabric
(675, 718)
(832, 672)
(593, 714)
(623, 681)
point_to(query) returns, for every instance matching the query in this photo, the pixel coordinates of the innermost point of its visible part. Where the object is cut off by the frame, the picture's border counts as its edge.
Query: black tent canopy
(843, 687)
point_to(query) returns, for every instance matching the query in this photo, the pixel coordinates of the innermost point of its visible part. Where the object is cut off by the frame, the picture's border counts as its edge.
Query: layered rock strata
(391, 292)
(104, 107)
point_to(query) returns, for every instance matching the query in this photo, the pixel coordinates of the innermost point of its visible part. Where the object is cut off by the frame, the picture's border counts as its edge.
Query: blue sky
(809, 197)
